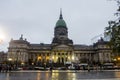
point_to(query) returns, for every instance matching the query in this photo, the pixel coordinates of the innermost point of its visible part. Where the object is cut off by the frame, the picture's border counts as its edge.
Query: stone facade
(61, 50)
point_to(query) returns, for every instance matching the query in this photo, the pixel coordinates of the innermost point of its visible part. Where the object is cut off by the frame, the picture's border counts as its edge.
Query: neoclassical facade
(62, 50)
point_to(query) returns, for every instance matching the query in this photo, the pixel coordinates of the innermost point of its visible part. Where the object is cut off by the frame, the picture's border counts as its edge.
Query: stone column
(70, 56)
(60, 58)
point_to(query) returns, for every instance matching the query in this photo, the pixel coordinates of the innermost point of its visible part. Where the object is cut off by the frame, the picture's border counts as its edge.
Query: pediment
(62, 47)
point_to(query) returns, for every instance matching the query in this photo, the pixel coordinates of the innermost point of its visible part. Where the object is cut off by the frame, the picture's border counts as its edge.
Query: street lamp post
(9, 64)
(17, 59)
(51, 65)
(9, 61)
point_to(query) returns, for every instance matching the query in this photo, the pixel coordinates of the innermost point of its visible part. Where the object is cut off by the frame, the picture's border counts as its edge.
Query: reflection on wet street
(93, 75)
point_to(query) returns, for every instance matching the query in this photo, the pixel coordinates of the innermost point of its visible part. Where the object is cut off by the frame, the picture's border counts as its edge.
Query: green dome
(60, 23)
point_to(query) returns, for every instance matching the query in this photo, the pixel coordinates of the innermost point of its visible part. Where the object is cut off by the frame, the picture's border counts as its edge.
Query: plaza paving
(60, 75)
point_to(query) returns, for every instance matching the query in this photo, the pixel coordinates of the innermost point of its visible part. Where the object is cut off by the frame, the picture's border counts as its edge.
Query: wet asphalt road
(61, 75)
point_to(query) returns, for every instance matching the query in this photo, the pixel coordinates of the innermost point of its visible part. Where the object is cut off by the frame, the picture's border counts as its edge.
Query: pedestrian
(3, 68)
(10, 68)
(6, 68)
(88, 68)
(0, 68)
(50, 68)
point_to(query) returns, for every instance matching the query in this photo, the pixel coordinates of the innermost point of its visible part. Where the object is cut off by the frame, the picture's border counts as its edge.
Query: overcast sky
(36, 19)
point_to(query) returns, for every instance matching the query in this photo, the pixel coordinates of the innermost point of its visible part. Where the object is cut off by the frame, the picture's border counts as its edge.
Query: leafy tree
(113, 30)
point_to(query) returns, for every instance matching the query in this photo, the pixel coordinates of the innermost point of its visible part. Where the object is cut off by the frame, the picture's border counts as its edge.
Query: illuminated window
(39, 58)
(47, 57)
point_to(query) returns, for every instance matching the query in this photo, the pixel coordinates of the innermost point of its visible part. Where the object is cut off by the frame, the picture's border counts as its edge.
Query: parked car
(108, 66)
(39, 68)
(71, 68)
(19, 68)
(83, 66)
(61, 68)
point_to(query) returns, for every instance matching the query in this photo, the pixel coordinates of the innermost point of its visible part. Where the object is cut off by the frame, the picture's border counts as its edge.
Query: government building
(61, 51)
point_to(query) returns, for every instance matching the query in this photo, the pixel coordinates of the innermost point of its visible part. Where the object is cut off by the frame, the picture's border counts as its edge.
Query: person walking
(0, 68)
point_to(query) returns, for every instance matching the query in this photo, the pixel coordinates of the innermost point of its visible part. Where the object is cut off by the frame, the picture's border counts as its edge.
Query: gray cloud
(36, 19)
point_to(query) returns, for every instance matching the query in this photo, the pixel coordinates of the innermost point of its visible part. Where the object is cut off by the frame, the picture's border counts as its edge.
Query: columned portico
(61, 56)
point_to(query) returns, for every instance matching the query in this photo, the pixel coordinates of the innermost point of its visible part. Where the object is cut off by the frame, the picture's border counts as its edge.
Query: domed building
(62, 50)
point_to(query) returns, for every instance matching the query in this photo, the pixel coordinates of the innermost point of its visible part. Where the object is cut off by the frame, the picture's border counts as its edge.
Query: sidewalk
(68, 71)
